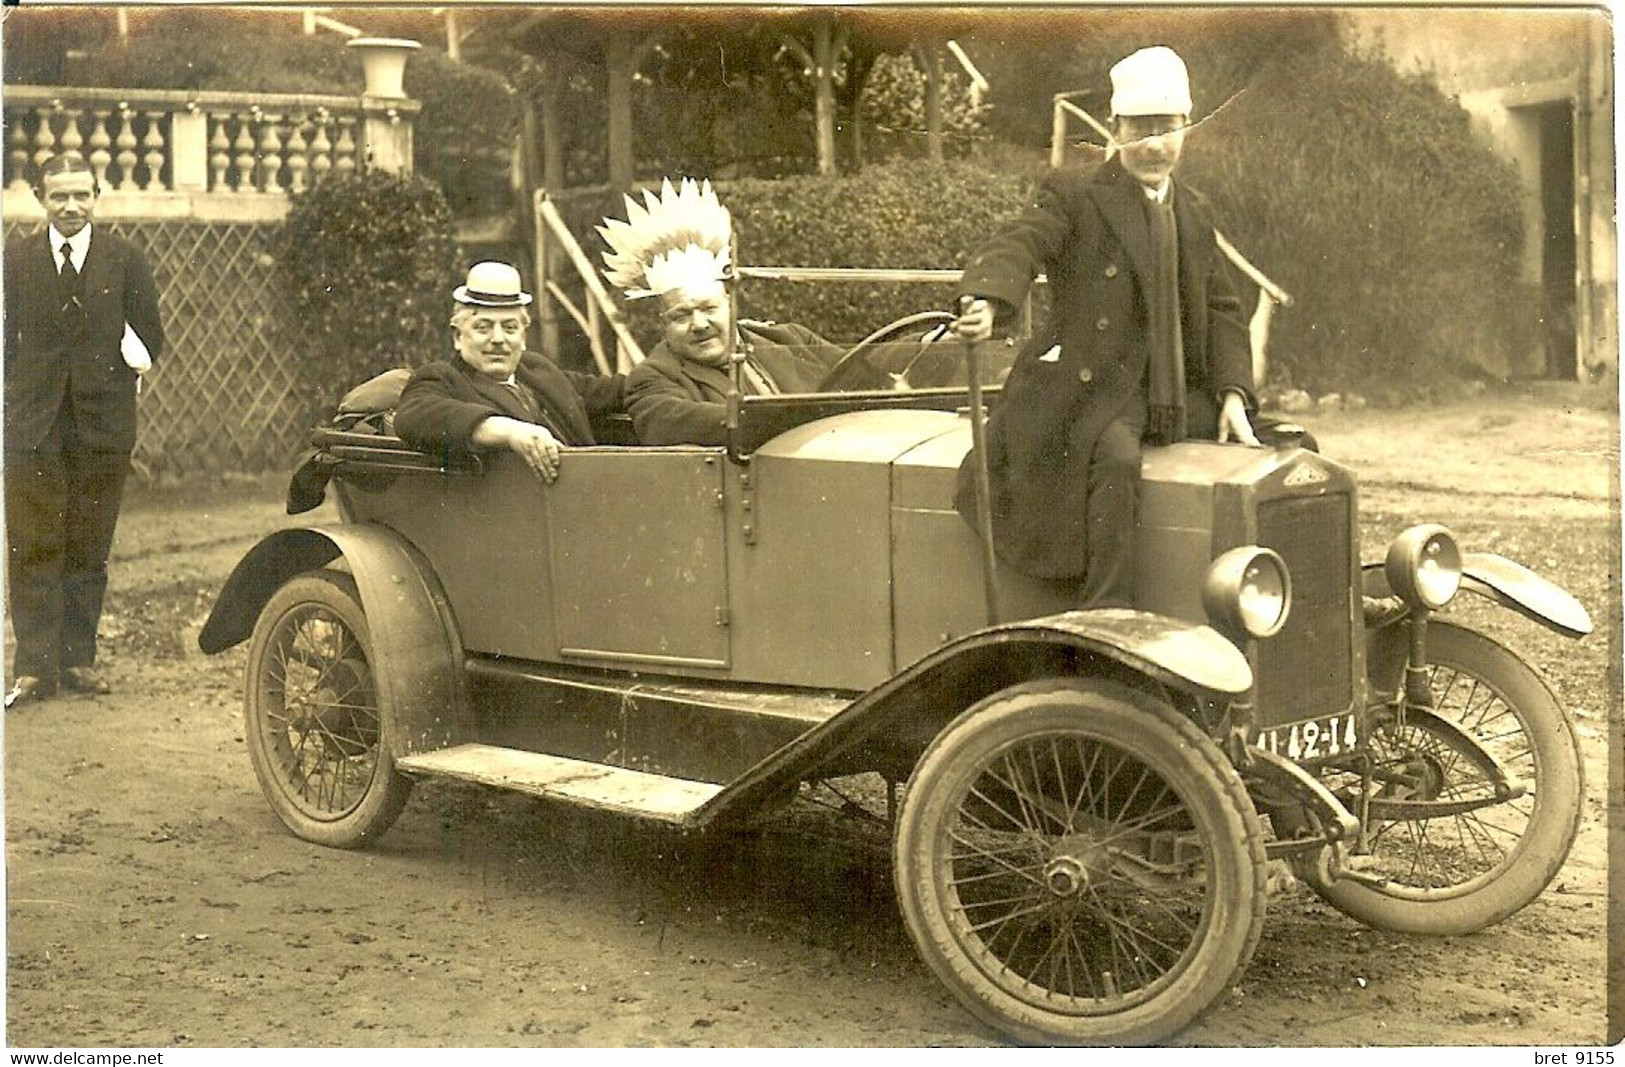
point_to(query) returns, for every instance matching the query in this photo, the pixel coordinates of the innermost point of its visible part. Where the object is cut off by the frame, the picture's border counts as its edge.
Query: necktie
(68, 279)
(1166, 363)
(520, 394)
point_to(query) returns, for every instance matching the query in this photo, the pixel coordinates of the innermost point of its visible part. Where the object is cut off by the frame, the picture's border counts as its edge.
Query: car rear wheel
(315, 721)
(1080, 865)
(1464, 870)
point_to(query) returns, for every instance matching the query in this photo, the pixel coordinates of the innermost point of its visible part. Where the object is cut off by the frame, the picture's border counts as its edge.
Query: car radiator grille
(1303, 671)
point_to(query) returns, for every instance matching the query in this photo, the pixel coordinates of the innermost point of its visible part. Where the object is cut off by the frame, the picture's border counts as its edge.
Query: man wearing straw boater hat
(674, 247)
(1145, 342)
(496, 395)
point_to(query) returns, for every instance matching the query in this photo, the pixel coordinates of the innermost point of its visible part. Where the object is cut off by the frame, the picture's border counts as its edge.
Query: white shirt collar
(1160, 193)
(79, 244)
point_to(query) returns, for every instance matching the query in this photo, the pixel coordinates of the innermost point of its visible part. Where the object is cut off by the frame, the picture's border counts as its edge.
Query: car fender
(417, 651)
(1511, 585)
(904, 712)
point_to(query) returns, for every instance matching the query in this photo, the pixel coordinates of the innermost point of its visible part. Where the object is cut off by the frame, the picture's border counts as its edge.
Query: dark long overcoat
(1086, 230)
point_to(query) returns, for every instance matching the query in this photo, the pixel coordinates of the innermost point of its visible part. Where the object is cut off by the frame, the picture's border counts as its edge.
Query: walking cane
(984, 494)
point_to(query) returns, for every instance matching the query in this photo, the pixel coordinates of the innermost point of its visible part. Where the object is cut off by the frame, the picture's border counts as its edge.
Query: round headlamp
(1247, 590)
(1424, 566)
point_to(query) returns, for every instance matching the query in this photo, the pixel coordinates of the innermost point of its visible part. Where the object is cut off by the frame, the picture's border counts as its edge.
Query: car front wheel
(1479, 860)
(1080, 864)
(315, 722)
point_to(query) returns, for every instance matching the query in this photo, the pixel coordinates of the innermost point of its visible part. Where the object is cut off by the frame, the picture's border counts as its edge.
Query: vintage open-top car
(1078, 798)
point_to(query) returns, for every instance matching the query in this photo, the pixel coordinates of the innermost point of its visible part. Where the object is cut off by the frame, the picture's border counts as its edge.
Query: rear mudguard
(1510, 585)
(416, 649)
(902, 714)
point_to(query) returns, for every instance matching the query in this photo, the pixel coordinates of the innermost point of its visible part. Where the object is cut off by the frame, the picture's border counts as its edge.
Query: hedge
(902, 215)
(366, 262)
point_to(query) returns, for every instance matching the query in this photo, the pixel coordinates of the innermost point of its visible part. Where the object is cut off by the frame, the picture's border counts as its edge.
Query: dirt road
(153, 899)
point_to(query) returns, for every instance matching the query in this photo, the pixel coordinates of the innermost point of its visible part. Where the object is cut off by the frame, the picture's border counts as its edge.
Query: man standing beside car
(1146, 342)
(495, 395)
(81, 326)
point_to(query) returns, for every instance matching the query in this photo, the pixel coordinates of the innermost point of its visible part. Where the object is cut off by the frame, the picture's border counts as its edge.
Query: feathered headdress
(672, 241)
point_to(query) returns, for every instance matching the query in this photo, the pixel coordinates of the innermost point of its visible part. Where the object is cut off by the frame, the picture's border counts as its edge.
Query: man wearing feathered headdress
(674, 247)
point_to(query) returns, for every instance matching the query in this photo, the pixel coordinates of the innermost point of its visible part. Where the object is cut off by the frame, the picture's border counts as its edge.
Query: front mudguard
(1508, 584)
(417, 651)
(891, 723)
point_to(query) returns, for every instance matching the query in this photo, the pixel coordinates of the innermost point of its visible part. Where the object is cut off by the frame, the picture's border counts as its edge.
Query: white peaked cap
(1152, 81)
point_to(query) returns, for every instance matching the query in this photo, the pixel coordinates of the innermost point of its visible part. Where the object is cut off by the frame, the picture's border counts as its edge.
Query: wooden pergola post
(619, 61)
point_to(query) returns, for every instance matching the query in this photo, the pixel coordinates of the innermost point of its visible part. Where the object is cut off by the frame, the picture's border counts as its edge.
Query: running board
(592, 785)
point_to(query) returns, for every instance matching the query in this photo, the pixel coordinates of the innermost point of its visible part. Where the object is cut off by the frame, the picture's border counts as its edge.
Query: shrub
(364, 261)
(464, 136)
(1367, 196)
(893, 215)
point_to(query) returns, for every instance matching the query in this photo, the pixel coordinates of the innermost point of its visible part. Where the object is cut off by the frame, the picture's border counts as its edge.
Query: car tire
(1458, 874)
(1107, 822)
(315, 722)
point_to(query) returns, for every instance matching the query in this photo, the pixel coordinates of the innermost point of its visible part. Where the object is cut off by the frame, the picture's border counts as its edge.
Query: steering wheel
(854, 371)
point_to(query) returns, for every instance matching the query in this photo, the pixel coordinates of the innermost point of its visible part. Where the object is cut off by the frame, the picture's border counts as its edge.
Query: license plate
(1312, 740)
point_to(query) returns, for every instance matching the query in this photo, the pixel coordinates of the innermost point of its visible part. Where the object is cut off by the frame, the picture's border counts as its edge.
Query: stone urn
(383, 63)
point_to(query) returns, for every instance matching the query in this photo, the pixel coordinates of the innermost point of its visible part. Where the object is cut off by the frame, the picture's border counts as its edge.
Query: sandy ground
(154, 900)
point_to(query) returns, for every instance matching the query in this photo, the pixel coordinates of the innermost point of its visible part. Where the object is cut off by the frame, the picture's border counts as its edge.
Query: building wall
(1504, 66)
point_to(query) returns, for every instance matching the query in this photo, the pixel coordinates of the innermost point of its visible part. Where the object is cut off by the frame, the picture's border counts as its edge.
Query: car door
(639, 559)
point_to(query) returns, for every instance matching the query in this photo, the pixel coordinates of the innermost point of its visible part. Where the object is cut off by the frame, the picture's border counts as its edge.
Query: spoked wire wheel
(1479, 860)
(314, 720)
(1080, 864)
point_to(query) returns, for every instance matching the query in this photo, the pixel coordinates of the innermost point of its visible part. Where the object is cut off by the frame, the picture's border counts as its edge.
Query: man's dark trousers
(62, 503)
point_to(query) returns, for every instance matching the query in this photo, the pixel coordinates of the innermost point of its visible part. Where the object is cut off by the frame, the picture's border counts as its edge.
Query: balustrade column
(270, 155)
(298, 160)
(100, 144)
(44, 139)
(126, 143)
(154, 144)
(244, 144)
(17, 142)
(219, 151)
(321, 148)
(344, 161)
(72, 140)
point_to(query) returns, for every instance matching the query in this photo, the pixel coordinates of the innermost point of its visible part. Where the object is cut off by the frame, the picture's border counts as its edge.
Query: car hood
(877, 437)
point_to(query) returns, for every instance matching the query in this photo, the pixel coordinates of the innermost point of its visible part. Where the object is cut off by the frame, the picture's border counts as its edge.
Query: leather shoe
(28, 689)
(84, 680)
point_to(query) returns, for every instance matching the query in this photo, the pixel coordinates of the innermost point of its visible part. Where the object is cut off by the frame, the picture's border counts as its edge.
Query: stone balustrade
(215, 155)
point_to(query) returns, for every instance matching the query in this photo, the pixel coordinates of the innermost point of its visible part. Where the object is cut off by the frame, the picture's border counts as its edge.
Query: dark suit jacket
(679, 402)
(1086, 230)
(446, 400)
(46, 365)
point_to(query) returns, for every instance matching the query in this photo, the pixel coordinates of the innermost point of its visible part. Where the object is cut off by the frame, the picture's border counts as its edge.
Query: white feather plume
(672, 240)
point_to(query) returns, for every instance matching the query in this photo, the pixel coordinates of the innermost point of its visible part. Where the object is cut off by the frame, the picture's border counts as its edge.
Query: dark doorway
(1557, 266)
